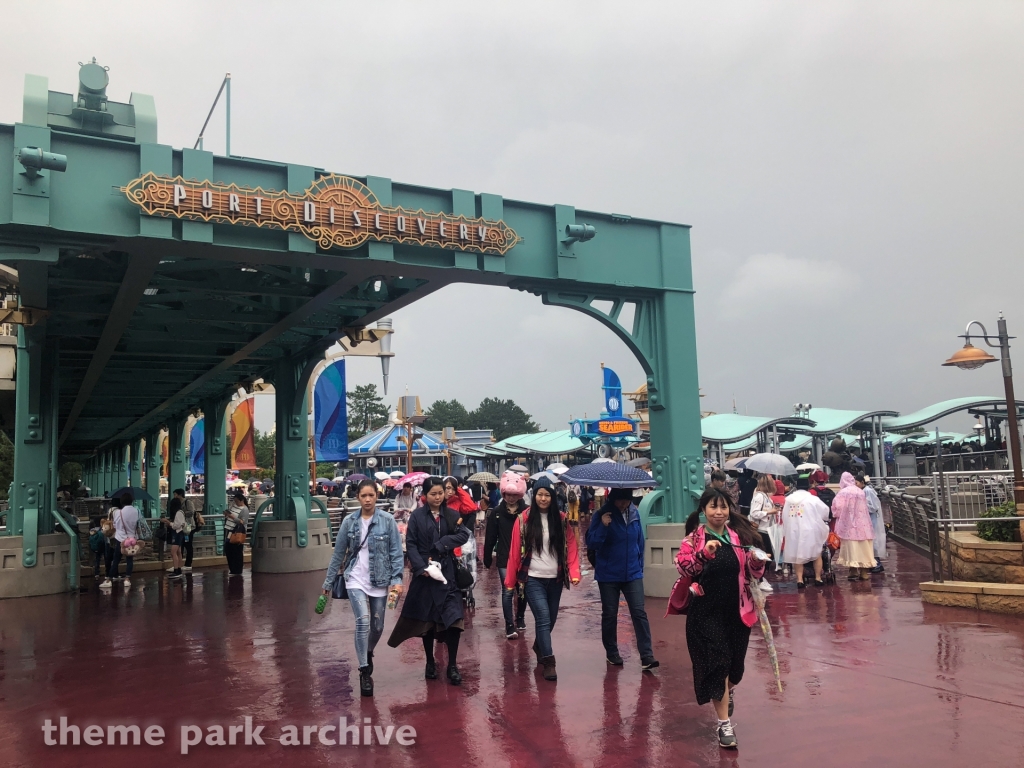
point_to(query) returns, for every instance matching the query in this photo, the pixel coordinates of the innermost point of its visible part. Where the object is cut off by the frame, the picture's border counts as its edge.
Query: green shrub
(1007, 531)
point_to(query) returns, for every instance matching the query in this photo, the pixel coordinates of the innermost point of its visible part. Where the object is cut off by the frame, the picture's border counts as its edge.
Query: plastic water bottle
(321, 604)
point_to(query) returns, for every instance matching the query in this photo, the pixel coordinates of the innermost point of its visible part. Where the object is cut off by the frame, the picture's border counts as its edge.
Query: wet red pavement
(871, 676)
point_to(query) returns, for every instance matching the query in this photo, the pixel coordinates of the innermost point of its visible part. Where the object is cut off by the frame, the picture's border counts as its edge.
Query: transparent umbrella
(770, 464)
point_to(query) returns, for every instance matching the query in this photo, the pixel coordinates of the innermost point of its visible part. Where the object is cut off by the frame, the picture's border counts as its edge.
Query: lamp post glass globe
(970, 357)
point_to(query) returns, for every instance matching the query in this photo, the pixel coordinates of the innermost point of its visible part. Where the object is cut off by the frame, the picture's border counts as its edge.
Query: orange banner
(165, 445)
(243, 437)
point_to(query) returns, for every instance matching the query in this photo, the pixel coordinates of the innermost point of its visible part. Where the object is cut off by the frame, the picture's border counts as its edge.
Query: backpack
(97, 540)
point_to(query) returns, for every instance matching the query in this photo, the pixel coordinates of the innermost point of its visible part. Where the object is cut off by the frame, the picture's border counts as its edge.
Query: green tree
(266, 449)
(447, 413)
(326, 469)
(504, 417)
(366, 411)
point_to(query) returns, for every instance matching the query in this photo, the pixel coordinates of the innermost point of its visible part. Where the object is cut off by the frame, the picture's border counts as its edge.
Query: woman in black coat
(433, 609)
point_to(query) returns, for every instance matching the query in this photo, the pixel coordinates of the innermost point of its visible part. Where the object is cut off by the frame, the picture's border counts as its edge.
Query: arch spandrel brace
(658, 320)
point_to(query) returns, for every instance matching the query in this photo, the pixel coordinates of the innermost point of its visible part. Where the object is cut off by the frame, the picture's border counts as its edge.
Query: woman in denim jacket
(368, 552)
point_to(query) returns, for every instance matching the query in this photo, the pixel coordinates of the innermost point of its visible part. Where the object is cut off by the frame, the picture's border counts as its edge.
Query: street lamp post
(969, 358)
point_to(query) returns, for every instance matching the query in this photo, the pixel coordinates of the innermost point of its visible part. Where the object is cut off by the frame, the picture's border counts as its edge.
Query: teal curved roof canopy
(943, 409)
(832, 421)
(550, 443)
(734, 427)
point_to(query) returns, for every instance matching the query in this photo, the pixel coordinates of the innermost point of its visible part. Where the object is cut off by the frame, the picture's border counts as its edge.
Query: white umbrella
(397, 474)
(557, 468)
(603, 461)
(518, 468)
(770, 464)
(807, 465)
(381, 475)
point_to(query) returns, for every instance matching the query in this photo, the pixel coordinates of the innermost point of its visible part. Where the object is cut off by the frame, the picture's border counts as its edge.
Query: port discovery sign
(336, 211)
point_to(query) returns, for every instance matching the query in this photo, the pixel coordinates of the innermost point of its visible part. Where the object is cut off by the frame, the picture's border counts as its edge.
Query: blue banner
(612, 394)
(197, 449)
(330, 414)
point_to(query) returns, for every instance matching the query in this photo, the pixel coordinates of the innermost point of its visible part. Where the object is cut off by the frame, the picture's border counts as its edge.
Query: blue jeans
(128, 559)
(543, 596)
(369, 613)
(507, 596)
(633, 591)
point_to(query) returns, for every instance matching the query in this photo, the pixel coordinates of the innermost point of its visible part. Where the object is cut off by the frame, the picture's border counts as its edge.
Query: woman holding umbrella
(433, 606)
(721, 611)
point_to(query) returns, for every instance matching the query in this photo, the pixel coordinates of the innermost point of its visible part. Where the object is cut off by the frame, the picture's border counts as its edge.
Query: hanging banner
(612, 393)
(330, 414)
(197, 449)
(243, 437)
(165, 447)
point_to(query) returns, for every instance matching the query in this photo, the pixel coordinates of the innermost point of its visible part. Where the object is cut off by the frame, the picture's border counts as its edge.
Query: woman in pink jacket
(720, 611)
(854, 529)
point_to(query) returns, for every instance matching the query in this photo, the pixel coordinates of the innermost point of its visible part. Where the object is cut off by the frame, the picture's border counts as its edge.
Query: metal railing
(73, 556)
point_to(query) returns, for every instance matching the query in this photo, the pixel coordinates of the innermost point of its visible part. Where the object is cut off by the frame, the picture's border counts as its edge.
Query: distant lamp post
(969, 358)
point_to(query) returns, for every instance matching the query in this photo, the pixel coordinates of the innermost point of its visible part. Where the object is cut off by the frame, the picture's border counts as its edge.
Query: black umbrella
(608, 475)
(139, 494)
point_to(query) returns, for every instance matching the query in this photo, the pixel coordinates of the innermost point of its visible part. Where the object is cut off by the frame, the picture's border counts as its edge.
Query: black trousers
(186, 547)
(233, 552)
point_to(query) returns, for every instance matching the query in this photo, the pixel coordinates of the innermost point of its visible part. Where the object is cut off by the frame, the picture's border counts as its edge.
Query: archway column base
(276, 548)
(48, 577)
(660, 551)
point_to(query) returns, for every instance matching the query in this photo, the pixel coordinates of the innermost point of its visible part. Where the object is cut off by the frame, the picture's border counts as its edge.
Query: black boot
(431, 672)
(365, 682)
(548, 663)
(453, 675)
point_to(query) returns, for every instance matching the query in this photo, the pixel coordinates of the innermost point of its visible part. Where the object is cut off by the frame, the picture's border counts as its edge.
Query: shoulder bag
(339, 591)
(142, 529)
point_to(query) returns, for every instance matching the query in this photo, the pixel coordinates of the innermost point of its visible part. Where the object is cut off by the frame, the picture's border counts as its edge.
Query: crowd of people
(747, 532)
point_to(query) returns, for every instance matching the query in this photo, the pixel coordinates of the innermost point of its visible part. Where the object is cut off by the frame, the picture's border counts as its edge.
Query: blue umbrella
(608, 475)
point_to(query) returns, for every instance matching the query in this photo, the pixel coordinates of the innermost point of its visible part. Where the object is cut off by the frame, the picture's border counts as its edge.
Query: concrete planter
(977, 560)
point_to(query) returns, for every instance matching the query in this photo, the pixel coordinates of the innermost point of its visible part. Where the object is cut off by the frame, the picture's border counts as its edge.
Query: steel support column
(120, 475)
(151, 479)
(216, 455)
(135, 464)
(33, 491)
(291, 482)
(176, 454)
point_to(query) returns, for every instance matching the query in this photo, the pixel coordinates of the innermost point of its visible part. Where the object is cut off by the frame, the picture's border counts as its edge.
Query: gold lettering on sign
(334, 211)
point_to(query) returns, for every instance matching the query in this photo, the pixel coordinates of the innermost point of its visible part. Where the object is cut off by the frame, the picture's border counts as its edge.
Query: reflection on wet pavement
(871, 677)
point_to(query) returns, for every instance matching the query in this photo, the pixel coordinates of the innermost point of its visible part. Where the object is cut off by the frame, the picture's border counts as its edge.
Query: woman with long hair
(544, 559)
(433, 606)
(368, 555)
(716, 555)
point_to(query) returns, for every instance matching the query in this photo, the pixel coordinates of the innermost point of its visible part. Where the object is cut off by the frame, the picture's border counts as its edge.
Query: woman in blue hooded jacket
(616, 536)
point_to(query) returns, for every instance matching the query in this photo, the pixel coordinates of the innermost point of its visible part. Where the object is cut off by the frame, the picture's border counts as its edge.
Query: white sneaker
(765, 586)
(171, 569)
(186, 569)
(127, 583)
(106, 584)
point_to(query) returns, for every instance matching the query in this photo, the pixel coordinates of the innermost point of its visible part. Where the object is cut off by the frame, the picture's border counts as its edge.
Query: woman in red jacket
(544, 559)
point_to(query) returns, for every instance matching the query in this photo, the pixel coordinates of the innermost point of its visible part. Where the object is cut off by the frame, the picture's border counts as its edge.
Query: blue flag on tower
(612, 393)
(330, 414)
(197, 449)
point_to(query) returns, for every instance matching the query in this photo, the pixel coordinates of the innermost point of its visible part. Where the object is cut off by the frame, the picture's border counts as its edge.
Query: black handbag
(339, 591)
(463, 577)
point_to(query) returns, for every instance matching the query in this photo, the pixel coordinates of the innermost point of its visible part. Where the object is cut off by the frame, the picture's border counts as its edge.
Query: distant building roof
(832, 421)
(734, 427)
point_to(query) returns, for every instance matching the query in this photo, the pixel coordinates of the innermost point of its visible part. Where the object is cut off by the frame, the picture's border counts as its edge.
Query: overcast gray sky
(851, 170)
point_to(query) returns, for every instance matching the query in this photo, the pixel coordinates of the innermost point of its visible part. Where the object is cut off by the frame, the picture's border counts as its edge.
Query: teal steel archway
(137, 312)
